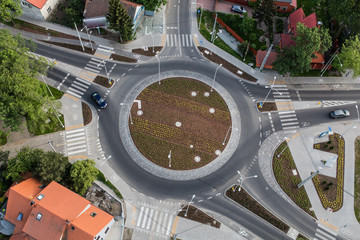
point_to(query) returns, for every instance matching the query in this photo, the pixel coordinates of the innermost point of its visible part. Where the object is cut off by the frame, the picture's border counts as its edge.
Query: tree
(51, 166)
(346, 13)
(151, 5)
(83, 174)
(247, 25)
(350, 54)
(308, 41)
(119, 20)
(21, 94)
(265, 11)
(25, 161)
(9, 9)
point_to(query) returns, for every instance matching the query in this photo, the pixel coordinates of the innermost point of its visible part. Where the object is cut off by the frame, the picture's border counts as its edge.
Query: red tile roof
(319, 58)
(260, 55)
(37, 3)
(295, 17)
(62, 212)
(310, 21)
(286, 40)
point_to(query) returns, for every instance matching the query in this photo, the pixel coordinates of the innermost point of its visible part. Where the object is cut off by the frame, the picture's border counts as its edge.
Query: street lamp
(87, 32)
(223, 143)
(189, 205)
(357, 110)
(241, 180)
(169, 157)
(287, 140)
(106, 71)
(271, 88)
(157, 57)
(213, 83)
(122, 104)
(339, 60)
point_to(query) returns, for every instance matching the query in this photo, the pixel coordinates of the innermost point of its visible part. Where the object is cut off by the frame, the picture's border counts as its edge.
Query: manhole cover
(212, 110)
(206, 94)
(197, 159)
(193, 94)
(140, 112)
(178, 124)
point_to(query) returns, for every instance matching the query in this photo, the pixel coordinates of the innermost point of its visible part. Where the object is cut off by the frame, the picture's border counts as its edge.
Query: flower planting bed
(184, 116)
(86, 113)
(245, 200)
(103, 81)
(149, 52)
(197, 215)
(232, 68)
(331, 195)
(266, 106)
(282, 167)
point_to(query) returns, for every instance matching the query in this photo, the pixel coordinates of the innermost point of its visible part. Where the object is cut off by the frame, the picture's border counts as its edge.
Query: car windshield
(101, 100)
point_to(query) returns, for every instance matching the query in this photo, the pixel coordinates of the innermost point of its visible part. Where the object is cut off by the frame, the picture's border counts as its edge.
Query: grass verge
(245, 200)
(86, 113)
(283, 167)
(102, 179)
(357, 180)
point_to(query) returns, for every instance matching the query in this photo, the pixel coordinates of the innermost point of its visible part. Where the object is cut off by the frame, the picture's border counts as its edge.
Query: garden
(283, 167)
(357, 180)
(183, 116)
(331, 190)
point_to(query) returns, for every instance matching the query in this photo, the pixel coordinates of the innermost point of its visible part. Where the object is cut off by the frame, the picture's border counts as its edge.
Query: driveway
(225, 6)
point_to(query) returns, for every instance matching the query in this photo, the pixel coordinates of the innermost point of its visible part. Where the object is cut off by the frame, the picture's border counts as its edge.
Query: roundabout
(184, 131)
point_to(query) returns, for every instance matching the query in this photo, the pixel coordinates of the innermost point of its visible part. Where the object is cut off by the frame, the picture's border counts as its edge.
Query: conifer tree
(119, 20)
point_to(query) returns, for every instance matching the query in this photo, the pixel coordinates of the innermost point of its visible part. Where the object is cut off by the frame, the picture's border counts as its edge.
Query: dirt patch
(328, 185)
(103, 81)
(245, 200)
(176, 116)
(149, 52)
(266, 106)
(232, 68)
(86, 113)
(123, 58)
(103, 200)
(71, 46)
(197, 215)
(128, 233)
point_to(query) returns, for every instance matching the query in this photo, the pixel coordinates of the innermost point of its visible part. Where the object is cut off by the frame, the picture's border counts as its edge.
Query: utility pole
(81, 43)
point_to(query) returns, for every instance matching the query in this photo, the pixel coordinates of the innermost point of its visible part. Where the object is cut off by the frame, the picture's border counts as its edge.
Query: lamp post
(122, 104)
(327, 65)
(169, 157)
(157, 57)
(213, 83)
(241, 180)
(271, 88)
(106, 71)
(87, 32)
(81, 43)
(187, 209)
(357, 110)
(287, 140)
(223, 143)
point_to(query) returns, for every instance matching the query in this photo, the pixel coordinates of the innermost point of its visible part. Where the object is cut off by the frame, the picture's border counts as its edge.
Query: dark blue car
(99, 100)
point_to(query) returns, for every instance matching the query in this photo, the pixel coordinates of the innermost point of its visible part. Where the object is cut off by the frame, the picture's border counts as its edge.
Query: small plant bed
(283, 167)
(86, 113)
(104, 81)
(197, 215)
(357, 179)
(101, 178)
(331, 190)
(71, 46)
(266, 106)
(149, 52)
(245, 200)
(183, 116)
(120, 58)
(232, 68)
(301, 237)
(29, 27)
(3, 138)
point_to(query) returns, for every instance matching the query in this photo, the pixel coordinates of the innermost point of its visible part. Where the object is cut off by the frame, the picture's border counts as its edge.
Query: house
(38, 9)
(280, 5)
(260, 55)
(53, 212)
(95, 13)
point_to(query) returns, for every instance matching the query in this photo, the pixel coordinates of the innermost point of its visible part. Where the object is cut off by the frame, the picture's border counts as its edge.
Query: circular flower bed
(201, 134)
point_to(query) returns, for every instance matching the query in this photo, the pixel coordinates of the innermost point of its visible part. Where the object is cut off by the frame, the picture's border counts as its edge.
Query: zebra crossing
(286, 113)
(78, 87)
(179, 40)
(323, 233)
(336, 103)
(94, 65)
(154, 221)
(75, 141)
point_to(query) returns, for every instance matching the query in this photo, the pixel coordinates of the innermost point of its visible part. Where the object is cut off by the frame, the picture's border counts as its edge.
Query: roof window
(40, 197)
(42, 186)
(72, 228)
(38, 216)
(19, 217)
(93, 214)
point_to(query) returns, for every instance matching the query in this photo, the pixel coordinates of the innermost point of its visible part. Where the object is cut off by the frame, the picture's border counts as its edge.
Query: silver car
(340, 113)
(238, 9)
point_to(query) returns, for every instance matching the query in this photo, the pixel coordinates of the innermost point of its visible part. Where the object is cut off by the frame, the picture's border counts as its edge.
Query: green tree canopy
(9, 9)
(350, 55)
(119, 20)
(151, 5)
(264, 11)
(51, 166)
(21, 94)
(83, 174)
(308, 41)
(347, 13)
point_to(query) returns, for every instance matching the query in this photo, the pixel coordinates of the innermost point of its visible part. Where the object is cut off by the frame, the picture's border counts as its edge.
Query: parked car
(340, 113)
(238, 9)
(99, 100)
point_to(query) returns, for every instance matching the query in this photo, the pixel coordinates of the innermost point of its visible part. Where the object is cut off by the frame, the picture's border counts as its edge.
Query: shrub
(330, 184)
(324, 182)
(326, 188)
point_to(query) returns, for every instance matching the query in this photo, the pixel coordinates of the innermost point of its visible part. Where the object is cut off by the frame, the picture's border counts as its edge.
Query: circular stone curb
(179, 175)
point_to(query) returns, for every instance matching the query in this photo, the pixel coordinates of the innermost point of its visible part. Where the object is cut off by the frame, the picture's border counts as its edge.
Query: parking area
(225, 6)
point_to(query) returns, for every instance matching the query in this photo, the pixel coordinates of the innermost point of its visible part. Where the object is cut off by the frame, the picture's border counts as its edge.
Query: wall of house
(102, 233)
(283, 7)
(31, 11)
(49, 6)
(139, 15)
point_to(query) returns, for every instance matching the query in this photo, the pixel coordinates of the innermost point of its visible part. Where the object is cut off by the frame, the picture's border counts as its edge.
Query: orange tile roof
(319, 58)
(310, 21)
(37, 3)
(260, 55)
(296, 17)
